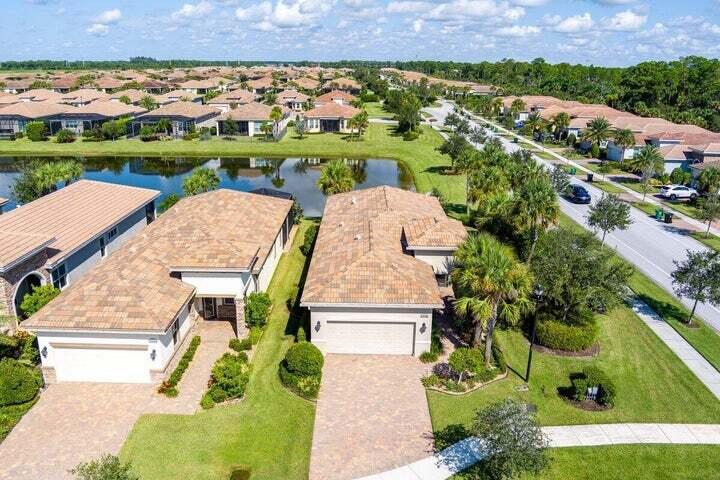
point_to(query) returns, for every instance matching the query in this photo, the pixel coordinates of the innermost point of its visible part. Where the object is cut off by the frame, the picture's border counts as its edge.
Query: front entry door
(209, 308)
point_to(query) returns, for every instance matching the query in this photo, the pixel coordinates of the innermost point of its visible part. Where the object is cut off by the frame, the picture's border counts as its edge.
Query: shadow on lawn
(665, 309)
(299, 316)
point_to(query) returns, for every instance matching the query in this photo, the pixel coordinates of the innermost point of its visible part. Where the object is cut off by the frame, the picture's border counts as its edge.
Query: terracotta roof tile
(332, 110)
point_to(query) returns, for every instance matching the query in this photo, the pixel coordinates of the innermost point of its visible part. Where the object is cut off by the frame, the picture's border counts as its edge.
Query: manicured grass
(644, 207)
(269, 431)
(376, 110)
(424, 162)
(594, 165)
(607, 187)
(710, 240)
(11, 415)
(653, 385)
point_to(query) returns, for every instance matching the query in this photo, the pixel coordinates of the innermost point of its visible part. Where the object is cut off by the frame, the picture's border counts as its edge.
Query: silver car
(674, 192)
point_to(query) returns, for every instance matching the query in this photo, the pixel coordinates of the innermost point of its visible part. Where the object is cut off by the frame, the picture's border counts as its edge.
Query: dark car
(578, 194)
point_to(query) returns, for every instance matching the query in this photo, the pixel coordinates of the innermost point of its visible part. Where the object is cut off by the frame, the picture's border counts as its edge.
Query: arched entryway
(32, 279)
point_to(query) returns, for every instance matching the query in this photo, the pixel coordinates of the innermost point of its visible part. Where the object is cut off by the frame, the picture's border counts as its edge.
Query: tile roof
(306, 83)
(674, 152)
(335, 95)
(706, 148)
(74, 215)
(251, 111)
(332, 110)
(437, 232)
(34, 110)
(17, 246)
(133, 94)
(234, 96)
(182, 109)
(40, 94)
(294, 95)
(106, 108)
(359, 257)
(85, 95)
(133, 290)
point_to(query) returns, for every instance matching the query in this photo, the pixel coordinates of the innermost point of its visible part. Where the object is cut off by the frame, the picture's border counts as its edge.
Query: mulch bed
(593, 351)
(587, 405)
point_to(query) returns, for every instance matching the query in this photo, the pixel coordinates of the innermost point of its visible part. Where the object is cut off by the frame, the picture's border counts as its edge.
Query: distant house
(249, 118)
(261, 85)
(335, 96)
(95, 114)
(57, 238)
(201, 87)
(15, 117)
(292, 99)
(177, 96)
(125, 320)
(83, 96)
(342, 83)
(185, 117)
(227, 101)
(135, 96)
(155, 87)
(330, 117)
(40, 95)
(380, 259)
(306, 83)
(108, 84)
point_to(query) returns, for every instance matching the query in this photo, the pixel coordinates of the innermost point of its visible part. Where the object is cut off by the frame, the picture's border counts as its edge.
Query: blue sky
(603, 32)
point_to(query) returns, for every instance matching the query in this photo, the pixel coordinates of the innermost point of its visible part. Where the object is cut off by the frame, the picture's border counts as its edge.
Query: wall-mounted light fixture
(317, 326)
(423, 327)
(153, 353)
(44, 351)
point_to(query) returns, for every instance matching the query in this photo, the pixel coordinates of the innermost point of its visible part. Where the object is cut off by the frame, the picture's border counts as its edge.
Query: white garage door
(370, 337)
(119, 364)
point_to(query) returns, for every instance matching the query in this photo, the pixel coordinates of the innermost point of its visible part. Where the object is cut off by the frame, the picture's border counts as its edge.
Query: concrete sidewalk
(467, 452)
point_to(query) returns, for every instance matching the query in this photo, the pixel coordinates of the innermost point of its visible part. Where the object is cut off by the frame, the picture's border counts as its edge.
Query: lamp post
(537, 296)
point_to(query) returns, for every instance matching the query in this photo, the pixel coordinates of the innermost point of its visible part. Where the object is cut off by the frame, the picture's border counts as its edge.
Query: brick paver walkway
(74, 422)
(372, 415)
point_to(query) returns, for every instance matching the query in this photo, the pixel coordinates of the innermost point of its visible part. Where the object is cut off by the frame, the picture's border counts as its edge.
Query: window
(59, 276)
(228, 301)
(150, 212)
(175, 330)
(103, 250)
(112, 233)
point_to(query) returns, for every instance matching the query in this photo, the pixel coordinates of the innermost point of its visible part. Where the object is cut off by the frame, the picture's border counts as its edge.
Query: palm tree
(201, 180)
(560, 122)
(624, 139)
(266, 128)
(362, 122)
(276, 114)
(148, 103)
(709, 179)
(335, 177)
(649, 162)
(535, 208)
(496, 106)
(163, 125)
(517, 106)
(493, 284)
(534, 122)
(597, 130)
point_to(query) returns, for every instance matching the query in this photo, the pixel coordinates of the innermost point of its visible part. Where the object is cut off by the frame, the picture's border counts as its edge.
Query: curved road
(650, 245)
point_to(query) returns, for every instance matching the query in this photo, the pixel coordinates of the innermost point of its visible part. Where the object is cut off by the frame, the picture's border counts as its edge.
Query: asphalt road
(650, 245)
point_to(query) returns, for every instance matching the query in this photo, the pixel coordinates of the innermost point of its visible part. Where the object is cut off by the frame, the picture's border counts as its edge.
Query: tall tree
(201, 180)
(649, 162)
(148, 102)
(453, 147)
(710, 209)
(609, 214)
(597, 131)
(535, 208)
(709, 179)
(40, 177)
(560, 123)
(698, 278)
(493, 285)
(335, 177)
(624, 139)
(560, 179)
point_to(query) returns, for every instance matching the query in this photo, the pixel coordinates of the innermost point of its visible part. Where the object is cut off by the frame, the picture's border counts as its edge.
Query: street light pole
(538, 296)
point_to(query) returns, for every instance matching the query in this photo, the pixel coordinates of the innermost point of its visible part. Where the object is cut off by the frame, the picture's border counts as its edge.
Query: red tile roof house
(185, 117)
(249, 118)
(125, 319)
(373, 281)
(330, 117)
(227, 101)
(292, 99)
(60, 236)
(336, 96)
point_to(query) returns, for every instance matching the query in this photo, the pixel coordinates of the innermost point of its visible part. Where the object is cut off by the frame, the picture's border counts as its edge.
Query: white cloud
(575, 24)
(108, 17)
(626, 21)
(518, 31)
(285, 14)
(98, 29)
(613, 2)
(190, 10)
(408, 6)
(418, 25)
(530, 3)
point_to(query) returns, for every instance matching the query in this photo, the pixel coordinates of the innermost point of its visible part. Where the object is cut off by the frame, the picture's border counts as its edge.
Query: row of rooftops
(44, 104)
(676, 141)
(408, 76)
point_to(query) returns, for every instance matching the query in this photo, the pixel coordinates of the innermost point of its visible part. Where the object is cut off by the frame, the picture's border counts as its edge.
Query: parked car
(578, 194)
(674, 192)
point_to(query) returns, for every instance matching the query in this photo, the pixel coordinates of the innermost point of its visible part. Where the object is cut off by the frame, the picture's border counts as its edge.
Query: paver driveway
(75, 422)
(372, 415)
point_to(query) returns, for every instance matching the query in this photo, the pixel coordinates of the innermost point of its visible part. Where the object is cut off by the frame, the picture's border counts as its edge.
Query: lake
(294, 175)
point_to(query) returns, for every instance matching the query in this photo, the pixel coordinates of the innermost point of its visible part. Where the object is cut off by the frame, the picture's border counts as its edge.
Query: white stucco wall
(319, 316)
(217, 284)
(440, 261)
(268, 269)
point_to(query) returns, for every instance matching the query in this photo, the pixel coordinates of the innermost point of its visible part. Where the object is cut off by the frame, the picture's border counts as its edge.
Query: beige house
(249, 118)
(292, 99)
(374, 278)
(335, 96)
(184, 117)
(125, 319)
(230, 100)
(330, 117)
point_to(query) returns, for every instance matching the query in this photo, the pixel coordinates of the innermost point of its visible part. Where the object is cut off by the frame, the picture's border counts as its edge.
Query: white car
(674, 192)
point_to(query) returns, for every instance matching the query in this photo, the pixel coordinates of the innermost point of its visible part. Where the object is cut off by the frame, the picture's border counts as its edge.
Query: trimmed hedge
(65, 136)
(309, 239)
(594, 377)
(570, 337)
(18, 383)
(168, 386)
(305, 386)
(304, 359)
(257, 309)
(241, 345)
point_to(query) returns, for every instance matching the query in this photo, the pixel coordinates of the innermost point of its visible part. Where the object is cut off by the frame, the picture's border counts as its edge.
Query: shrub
(206, 402)
(38, 298)
(594, 377)
(309, 240)
(19, 135)
(65, 136)
(18, 383)
(8, 346)
(255, 334)
(595, 150)
(29, 352)
(368, 97)
(241, 345)
(305, 386)
(171, 392)
(570, 336)
(231, 374)
(411, 135)
(431, 380)
(147, 134)
(108, 467)
(301, 335)
(257, 309)
(428, 357)
(36, 131)
(571, 140)
(466, 361)
(304, 359)
(217, 394)
(177, 374)
(679, 176)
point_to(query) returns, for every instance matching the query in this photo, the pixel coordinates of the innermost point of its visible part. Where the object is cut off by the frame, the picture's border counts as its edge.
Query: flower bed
(229, 378)
(447, 379)
(169, 386)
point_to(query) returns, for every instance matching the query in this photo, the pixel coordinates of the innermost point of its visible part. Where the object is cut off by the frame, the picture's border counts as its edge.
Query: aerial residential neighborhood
(350, 240)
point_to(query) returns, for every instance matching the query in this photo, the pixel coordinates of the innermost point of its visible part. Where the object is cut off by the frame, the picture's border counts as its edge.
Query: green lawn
(644, 207)
(376, 110)
(270, 431)
(711, 240)
(425, 163)
(607, 187)
(636, 462)
(10, 415)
